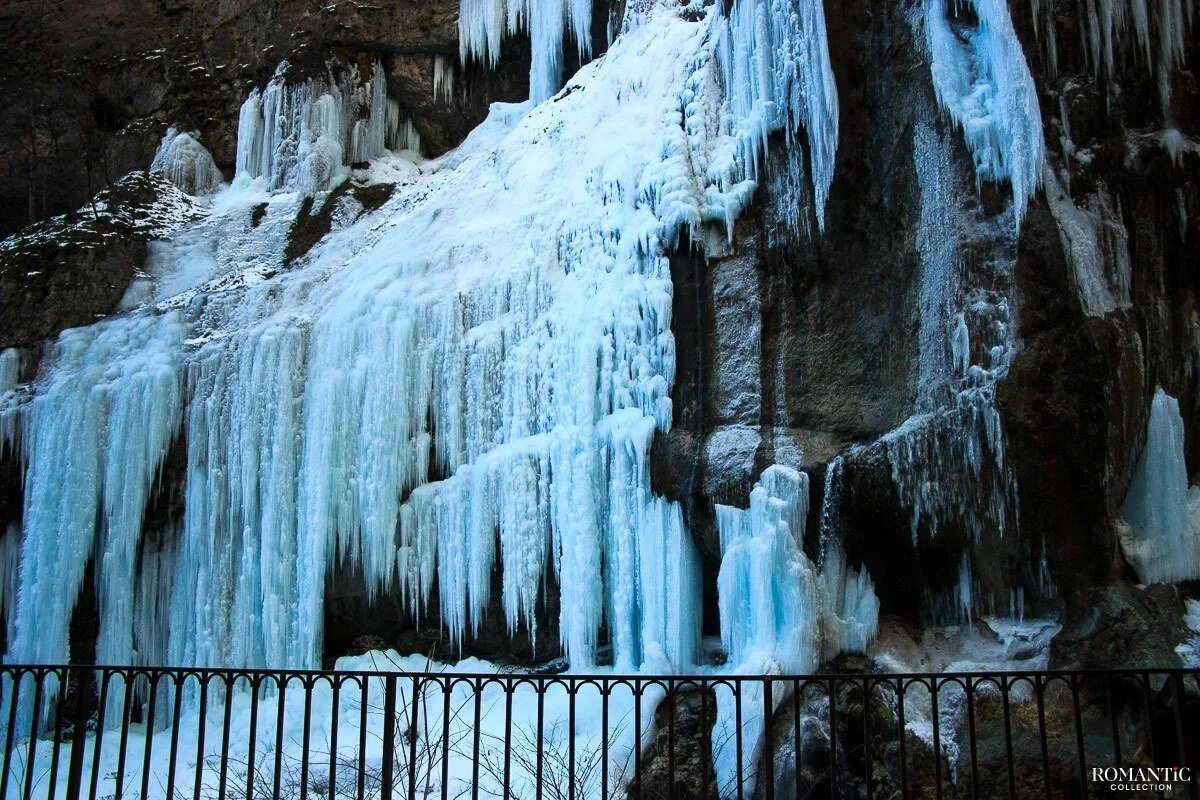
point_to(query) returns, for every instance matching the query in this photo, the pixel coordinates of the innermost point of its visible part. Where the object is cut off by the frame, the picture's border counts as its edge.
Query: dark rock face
(101, 81)
(72, 270)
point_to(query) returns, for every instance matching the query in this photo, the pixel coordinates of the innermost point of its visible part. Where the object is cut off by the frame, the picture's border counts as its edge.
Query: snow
(983, 82)
(1162, 539)
(186, 163)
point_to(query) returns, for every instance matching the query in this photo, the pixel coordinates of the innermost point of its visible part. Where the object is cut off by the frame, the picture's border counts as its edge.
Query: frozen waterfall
(465, 382)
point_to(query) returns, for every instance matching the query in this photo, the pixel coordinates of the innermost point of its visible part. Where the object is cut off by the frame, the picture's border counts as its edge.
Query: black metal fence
(217, 734)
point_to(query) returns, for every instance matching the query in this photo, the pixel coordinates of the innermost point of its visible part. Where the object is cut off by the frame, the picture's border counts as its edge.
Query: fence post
(83, 678)
(389, 737)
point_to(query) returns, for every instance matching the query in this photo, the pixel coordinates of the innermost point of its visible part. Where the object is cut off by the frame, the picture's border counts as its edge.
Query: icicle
(1152, 33)
(1162, 511)
(777, 73)
(482, 25)
(443, 79)
(10, 576)
(983, 82)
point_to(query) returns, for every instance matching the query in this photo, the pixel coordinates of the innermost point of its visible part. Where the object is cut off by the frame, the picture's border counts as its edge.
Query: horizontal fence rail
(228, 734)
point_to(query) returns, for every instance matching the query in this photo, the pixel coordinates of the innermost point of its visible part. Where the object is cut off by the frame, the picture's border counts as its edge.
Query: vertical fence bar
(937, 752)
(1040, 699)
(902, 735)
(1180, 735)
(671, 692)
(306, 736)
(834, 777)
(200, 731)
(736, 688)
(1008, 749)
(10, 735)
(389, 737)
(541, 735)
(604, 743)
(173, 756)
(281, 683)
(509, 688)
(768, 760)
(971, 738)
(1112, 716)
(705, 771)
(1148, 701)
(56, 749)
(226, 720)
(867, 736)
(1080, 748)
(334, 717)
(571, 690)
(637, 737)
(252, 736)
(123, 742)
(446, 689)
(478, 687)
(35, 716)
(414, 721)
(362, 738)
(105, 677)
(797, 736)
(148, 749)
(78, 735)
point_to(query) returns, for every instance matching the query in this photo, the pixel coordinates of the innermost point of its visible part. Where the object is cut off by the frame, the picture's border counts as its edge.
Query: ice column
(99, 428)
(775, 608)
(1163, 513)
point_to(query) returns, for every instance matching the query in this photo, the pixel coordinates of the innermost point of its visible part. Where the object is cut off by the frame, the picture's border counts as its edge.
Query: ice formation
(483, 24)
(464, 382)
(300, 136)
(982, 80)
(443, 79)
(186, 163)
(1151, 33)
(1163, 513)
(775, 60)
(779, 614)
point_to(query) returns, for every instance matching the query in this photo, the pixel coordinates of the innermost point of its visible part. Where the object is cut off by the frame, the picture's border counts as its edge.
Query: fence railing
(227, 734)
